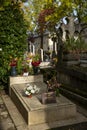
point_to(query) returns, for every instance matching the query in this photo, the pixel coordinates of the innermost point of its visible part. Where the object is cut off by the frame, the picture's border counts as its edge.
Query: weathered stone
(6, 125)
(18, 120)
(83, 63)
(70, 57)
(11, 128)
(16, 117)
(24, 79)
(37, 115)
(77, 77)
(83, 56)
(22, 127)
(2, 106)
(71, 62)
(79, 119)
(4, 114)
(31, 108)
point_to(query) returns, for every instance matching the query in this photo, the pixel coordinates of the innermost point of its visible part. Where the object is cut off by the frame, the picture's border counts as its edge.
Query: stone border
(24, 79)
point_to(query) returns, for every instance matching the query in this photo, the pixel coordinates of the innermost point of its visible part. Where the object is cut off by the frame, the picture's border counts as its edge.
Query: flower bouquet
(13, 62)
(13, 65)
(36, 60)
(31, 89)
(32, 62)
(35, 63)
(53, 85)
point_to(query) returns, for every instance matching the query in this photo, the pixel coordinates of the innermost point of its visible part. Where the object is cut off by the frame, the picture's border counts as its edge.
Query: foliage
(36, 57)
(77, 46)
(20, 65)
(7, 2)
(54, 12)
(62, 9)
(48, 73)
(42, 20)
(54, 61)
(25, 63)
(32, 10)
(12, 37)
(53, 85)
(81, 9)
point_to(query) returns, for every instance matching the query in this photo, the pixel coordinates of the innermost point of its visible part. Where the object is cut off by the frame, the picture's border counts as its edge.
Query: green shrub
(13, 37)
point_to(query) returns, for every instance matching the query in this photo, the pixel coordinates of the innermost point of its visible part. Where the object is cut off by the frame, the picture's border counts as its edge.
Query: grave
(32, 109)
(83, 63)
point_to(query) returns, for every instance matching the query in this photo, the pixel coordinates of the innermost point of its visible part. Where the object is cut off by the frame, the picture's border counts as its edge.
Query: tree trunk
(59, 48)
(41, 46)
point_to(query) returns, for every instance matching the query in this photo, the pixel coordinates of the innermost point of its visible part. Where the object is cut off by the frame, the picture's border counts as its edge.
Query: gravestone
(32, 109)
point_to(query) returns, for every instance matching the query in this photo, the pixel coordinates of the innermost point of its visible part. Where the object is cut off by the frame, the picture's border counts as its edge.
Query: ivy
(13, 37)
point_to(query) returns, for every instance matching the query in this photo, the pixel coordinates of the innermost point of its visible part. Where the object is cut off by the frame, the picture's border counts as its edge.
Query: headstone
(49, 97)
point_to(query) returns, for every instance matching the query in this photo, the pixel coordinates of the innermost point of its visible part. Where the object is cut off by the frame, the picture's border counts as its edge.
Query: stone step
(15, 115)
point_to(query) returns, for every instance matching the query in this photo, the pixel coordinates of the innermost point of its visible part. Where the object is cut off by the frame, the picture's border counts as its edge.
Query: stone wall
(72, 77)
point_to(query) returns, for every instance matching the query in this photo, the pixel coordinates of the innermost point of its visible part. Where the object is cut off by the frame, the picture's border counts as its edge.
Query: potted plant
(36, 63)
(13, 65)
(53, 85)
(73, 48)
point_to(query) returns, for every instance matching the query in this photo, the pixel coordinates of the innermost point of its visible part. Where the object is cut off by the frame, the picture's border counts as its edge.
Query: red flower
(13, 62)
(35, 63)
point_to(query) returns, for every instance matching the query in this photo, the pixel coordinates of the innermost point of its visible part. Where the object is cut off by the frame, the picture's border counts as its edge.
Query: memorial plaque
(49, 97)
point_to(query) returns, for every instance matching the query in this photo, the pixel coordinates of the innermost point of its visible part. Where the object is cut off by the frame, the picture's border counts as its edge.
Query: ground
(5, 120)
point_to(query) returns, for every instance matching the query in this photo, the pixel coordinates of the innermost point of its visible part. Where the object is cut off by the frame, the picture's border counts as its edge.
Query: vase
(35, 69)
(13, 71)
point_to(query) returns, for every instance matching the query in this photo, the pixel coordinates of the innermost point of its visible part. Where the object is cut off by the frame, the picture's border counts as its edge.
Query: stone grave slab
(83, 63)
(24, 79)
(34, 112)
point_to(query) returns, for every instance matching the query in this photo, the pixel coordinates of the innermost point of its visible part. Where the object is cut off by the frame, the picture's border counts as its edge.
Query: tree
(61, 9)
(34, 8)
(7, 2)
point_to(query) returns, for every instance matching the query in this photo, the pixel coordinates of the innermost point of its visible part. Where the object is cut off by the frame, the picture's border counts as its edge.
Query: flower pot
(35, 69)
